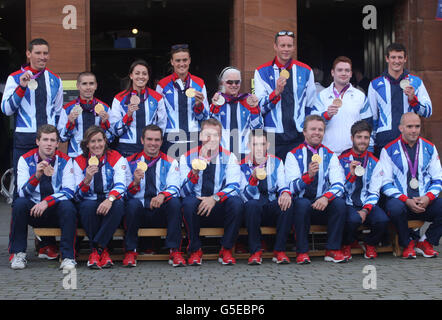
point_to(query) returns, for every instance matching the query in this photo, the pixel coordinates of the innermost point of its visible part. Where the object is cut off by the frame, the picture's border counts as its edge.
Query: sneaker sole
(130, 265)
(93, 266)
(305, 261)
(231, 263)
(330, 259)
(107, 265)
(254, 263)
(280, 262)
(409, 257)
(18, 267)
(176, 264)
(421, 252)
(45, 256)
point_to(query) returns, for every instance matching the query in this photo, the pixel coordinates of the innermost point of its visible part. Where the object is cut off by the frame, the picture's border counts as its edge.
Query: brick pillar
(69, 48)
(417, 28)
(253, 27)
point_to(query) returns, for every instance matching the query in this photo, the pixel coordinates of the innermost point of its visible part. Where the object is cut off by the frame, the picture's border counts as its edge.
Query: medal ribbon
(134, 92)
(232, 99)
(313, 150)
(34, 76)
(152, 163)
(91, 109)
(342, 92)
(413, 167)
(186, 84)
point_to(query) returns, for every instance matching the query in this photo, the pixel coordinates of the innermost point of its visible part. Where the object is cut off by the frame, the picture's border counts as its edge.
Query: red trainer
(370, 251)
(105, 260)
(334, 255)
(48, 252)
(225, 257)
(302, 258)
(130, 259)
(426, 249)
(176, 259)
(195, 258)
(409, 252)
(346, 251)
(94, 260)
(280, 257)
(255, 258)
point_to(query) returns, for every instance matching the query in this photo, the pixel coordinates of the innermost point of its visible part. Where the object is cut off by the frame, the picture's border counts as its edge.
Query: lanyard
(342, 92)
(33, 76)
(313, 150)
(413, 167)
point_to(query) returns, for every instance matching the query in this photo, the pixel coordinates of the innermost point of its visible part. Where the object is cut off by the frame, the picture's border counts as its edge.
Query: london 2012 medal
(77, 109)
(220, 101)
(404, 83)
(199, 164)
(142, 166)
(32, 84)
(284, 73)
(48, 171)
(135, 100)
(261, 173)
(190, 93)
(93, 161)
(337, 102)
(316, 158)
(359, 171)
(414, 183)
(98, 108)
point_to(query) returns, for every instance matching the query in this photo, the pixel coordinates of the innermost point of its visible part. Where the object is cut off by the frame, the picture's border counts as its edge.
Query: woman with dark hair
(100, 179)
(134, 108)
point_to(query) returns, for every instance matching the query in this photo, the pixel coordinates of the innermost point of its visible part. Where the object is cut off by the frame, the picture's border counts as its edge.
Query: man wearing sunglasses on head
(286, 92)
(185, 97)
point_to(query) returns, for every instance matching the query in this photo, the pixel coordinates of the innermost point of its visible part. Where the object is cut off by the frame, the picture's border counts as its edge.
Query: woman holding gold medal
(134, 108)
(101, 181)
(238, 113)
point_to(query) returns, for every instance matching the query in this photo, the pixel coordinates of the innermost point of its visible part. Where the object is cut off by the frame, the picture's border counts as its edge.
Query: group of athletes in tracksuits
(254, 159)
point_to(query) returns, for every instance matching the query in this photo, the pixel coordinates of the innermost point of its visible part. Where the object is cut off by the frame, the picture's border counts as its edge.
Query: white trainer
(68, 264)
(18, 261)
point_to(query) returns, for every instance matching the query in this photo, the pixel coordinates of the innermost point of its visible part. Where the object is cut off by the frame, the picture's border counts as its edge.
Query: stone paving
(395, 279)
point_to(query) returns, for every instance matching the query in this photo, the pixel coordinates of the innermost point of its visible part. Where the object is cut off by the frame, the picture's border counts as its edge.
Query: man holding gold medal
(286, 91)
(316, 179)
(45, 186)
(394, 93)
(412, 183)
(34, 95)
(186, 103)
(267, 198)
(210, 181)
(153, 197)
(362, 187)
(79, 114)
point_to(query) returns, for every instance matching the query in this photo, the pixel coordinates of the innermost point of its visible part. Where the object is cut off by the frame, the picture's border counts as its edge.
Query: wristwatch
(216, 197)
(111, 198)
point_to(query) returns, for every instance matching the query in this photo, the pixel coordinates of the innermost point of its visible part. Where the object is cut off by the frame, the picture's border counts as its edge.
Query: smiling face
(396, 62)
(361, 140)
(151, 142)
(341, 73)
(410, 127)
(284, 48)
(86, 86)
(139, 77)
(210, 137)
(314, 132)
(38, 57)
(47, 145)
(232, 83)
(180, 62)
(97, 144)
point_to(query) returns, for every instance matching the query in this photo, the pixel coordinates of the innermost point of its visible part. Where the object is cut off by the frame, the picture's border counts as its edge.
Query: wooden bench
(162, 232)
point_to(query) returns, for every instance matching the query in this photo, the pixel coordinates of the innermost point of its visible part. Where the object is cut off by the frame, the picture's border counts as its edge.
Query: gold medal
(135, 100)
(48, 171)
(220, 101)
(337, 102)
(252, 100)
(414, 183)
(261, 173)
(98, 108)
(77, 109)
(199, 164)
(93, 161)
(190, 93)
(316, 158)
(142, 166)
(404, 83)
(284, 73)
(359, 171)
(32, 84)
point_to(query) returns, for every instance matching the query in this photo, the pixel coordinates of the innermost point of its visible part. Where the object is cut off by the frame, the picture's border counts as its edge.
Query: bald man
(412, 183)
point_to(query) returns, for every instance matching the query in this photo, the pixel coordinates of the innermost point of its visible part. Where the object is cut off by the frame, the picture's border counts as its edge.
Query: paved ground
(395, 279)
